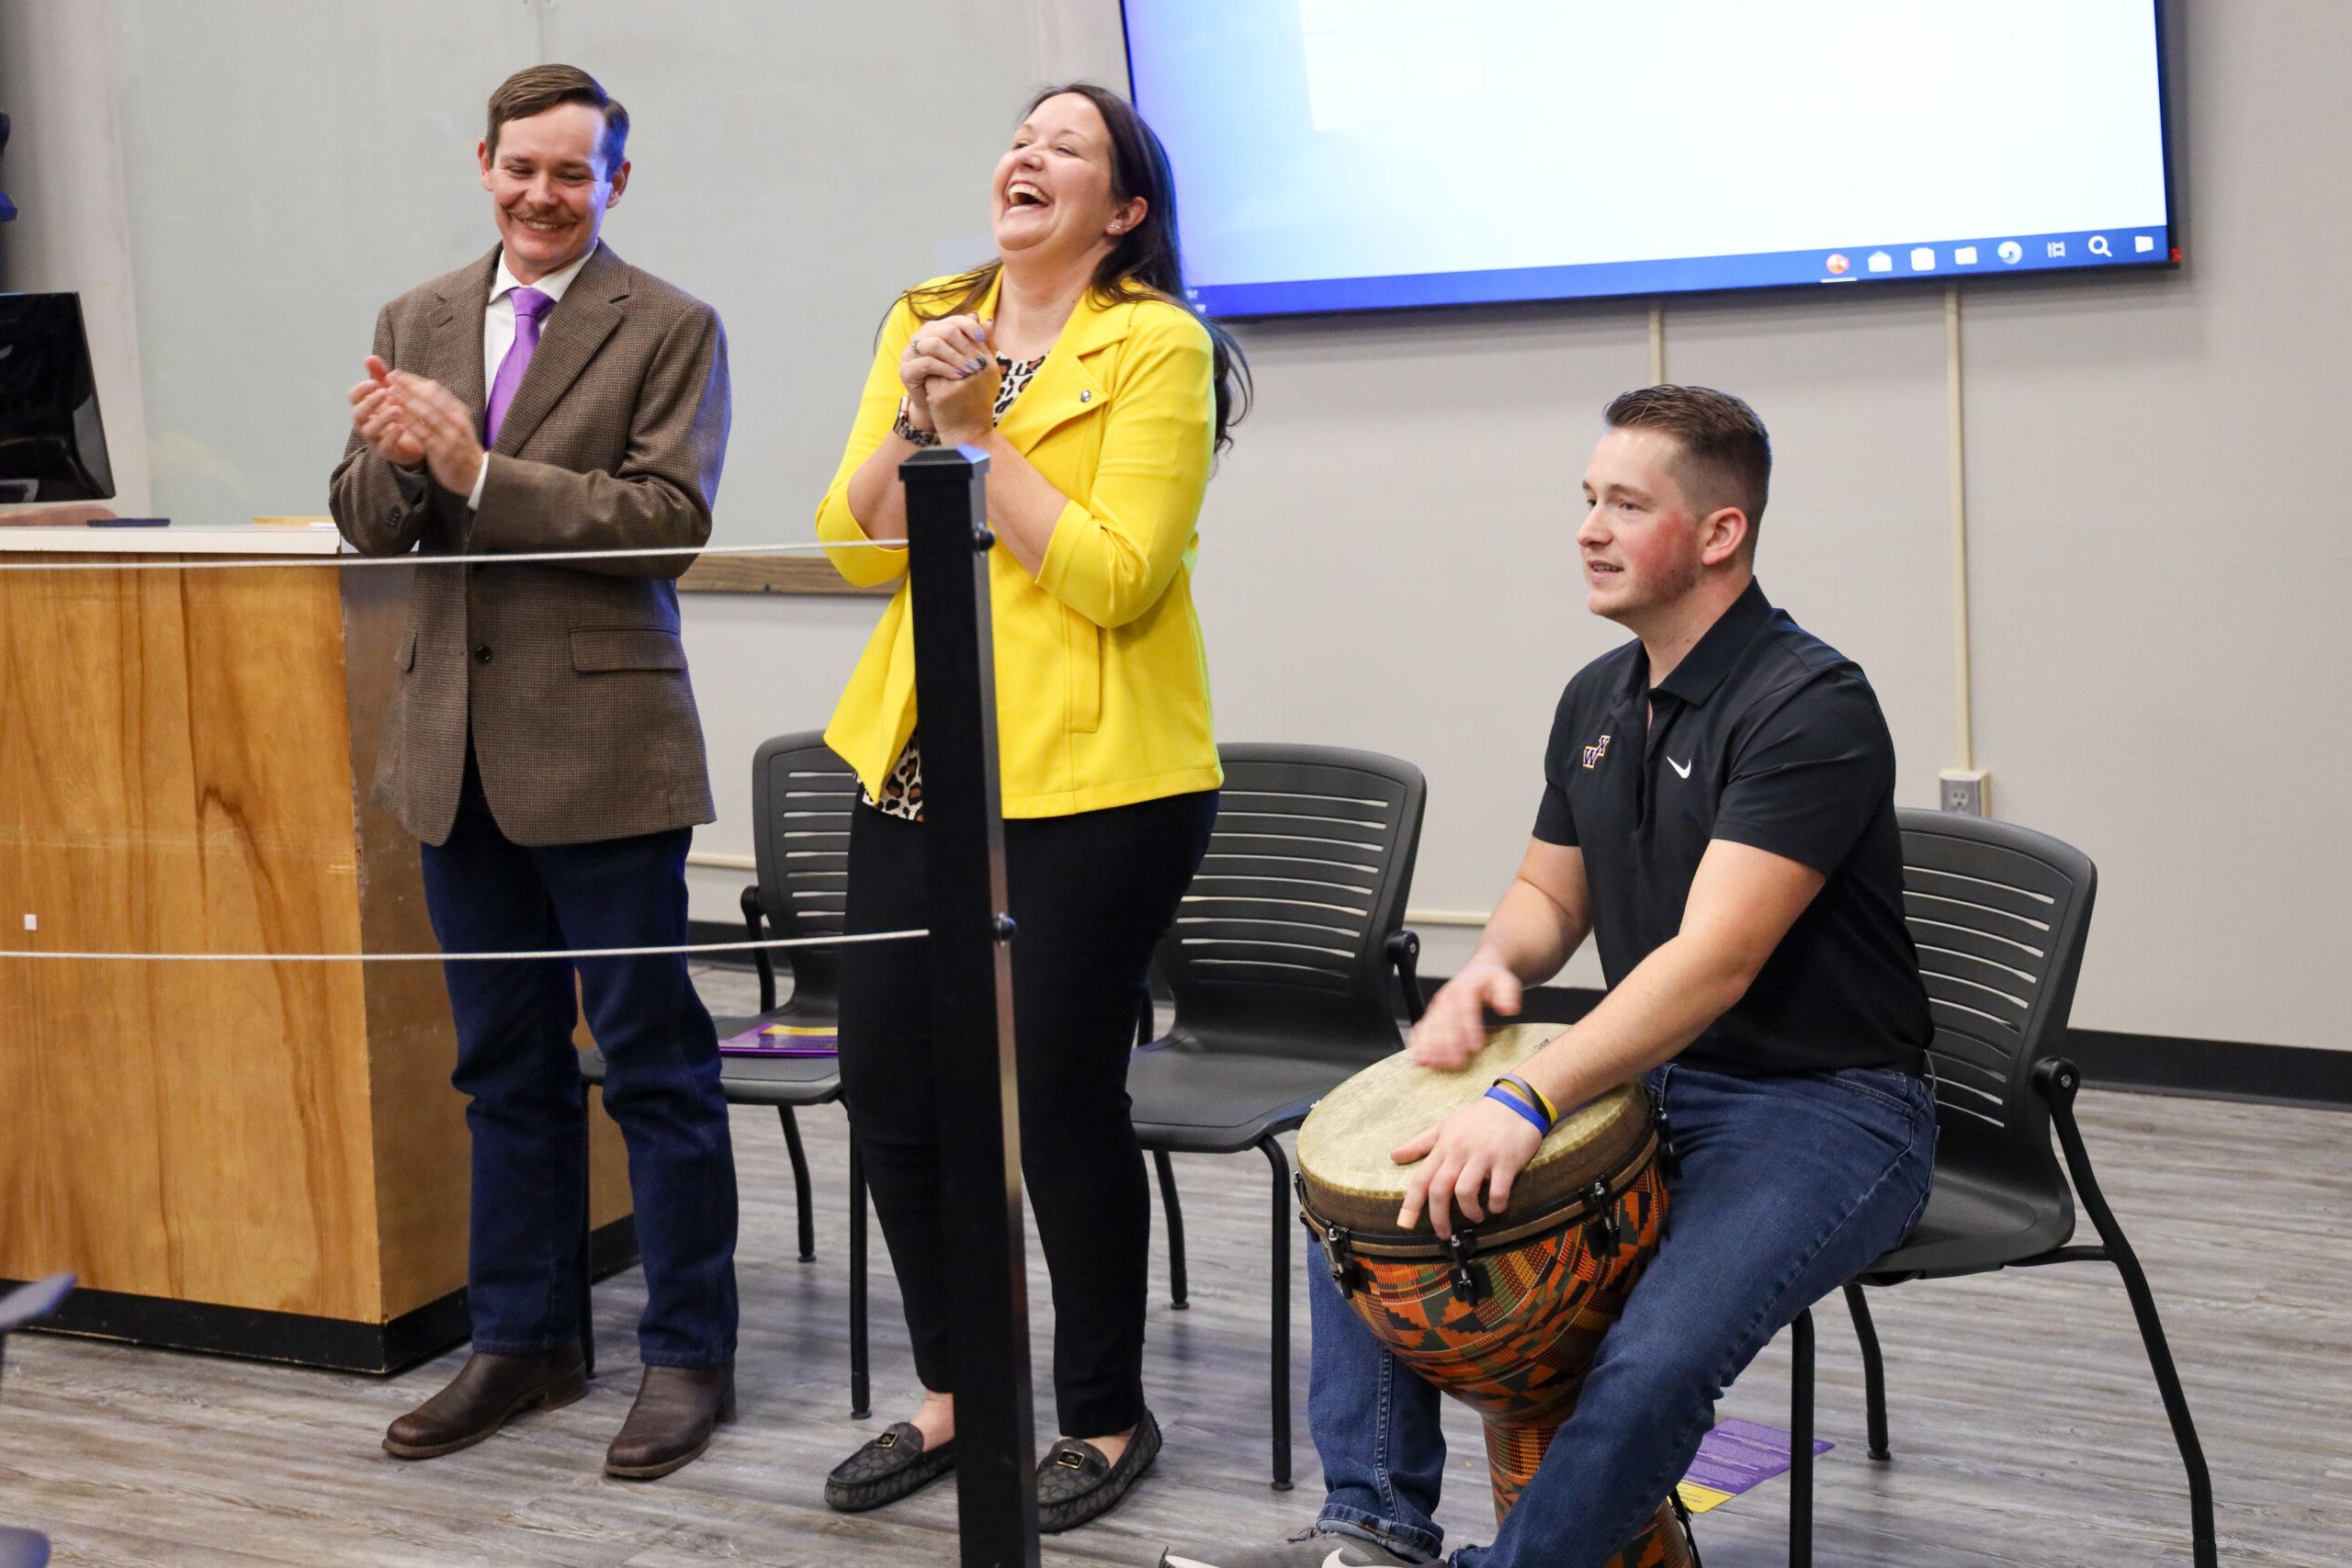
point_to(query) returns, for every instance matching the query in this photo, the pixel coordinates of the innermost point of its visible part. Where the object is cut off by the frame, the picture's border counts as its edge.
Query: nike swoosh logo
(1681, 770)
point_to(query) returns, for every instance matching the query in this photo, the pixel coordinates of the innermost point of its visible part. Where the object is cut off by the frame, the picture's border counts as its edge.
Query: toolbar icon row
(1924, 258)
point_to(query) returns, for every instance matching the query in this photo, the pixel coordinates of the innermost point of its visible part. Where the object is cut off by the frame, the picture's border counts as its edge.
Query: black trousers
(1091, 894)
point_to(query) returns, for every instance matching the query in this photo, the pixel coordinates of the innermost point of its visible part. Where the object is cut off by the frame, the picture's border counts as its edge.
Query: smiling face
(1645, 548)
(1053, 198)
(549, 188)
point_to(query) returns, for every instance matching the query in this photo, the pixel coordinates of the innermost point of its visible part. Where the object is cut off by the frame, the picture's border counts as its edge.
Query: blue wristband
(1534, 1117)
(1530, 1094)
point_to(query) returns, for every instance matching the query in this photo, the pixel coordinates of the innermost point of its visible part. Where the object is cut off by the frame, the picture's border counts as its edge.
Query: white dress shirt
(498, 333)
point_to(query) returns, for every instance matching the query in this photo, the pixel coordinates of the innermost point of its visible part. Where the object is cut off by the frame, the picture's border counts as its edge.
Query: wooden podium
(256, 1158)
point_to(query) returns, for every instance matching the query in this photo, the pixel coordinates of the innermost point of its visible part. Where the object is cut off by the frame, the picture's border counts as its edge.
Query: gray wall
(2156, 536)
(2156, 548)
(293, 165)
(63, 168)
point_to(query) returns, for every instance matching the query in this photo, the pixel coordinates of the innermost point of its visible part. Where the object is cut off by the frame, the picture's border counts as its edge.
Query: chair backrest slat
(1279, 946)
(801, 799)
(1999, 915)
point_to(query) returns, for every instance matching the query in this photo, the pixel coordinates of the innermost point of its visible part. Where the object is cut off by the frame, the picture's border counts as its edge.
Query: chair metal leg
(1281, 1314)
(587, 1255)
(1179, 1295)
(1874, 1369)
(861, 1401)
(1801, 1442)
(2184, 1429)
(2060, 1080)
(800, 1182)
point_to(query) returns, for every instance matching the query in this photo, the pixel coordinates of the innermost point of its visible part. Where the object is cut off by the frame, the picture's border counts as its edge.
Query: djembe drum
(1505, 1314)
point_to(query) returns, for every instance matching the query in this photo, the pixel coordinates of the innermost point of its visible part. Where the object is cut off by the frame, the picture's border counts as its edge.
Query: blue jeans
(526, 1105)
(1788, 1187)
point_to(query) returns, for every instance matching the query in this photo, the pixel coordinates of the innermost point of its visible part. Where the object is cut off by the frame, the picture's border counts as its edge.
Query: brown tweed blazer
(573, 678)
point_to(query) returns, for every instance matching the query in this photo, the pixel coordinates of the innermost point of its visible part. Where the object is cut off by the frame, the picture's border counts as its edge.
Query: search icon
(2098, 247)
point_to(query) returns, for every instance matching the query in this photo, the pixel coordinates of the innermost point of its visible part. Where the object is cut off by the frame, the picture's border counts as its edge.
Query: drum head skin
(1343, 1145)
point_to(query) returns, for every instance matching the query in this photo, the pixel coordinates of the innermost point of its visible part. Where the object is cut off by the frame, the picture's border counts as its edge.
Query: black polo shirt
(1763, 735)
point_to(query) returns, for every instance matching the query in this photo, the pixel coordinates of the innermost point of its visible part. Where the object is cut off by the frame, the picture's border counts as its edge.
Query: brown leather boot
(670, 1423)
(487, 1392)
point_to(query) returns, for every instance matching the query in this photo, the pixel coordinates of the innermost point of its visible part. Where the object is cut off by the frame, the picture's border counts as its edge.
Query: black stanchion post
(947, 537)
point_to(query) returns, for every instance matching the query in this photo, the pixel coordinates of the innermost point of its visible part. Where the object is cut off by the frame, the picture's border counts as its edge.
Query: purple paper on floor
(1735, 1457)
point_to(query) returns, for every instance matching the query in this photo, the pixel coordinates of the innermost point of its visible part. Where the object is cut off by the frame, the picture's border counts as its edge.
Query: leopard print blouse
(902, 790)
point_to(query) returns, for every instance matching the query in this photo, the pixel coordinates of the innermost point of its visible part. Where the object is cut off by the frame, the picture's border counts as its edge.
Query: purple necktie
(529, 305)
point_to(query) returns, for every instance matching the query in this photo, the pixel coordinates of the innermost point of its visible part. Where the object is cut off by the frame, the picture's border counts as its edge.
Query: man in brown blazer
(544, 751)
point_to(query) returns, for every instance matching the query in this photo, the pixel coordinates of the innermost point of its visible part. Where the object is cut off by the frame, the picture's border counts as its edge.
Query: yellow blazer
(1102, 685)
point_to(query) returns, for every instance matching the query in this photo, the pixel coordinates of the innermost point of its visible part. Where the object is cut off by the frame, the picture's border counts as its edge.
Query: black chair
(1283, 963)
(801, 798)
(2000, 915)
(21, 1308)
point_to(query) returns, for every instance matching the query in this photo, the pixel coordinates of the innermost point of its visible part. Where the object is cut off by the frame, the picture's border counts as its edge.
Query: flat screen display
(1362, 155)
(52, 446)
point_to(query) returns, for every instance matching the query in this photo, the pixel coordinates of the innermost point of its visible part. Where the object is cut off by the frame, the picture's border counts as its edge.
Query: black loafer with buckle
(1076, 1485)
(892, 1466)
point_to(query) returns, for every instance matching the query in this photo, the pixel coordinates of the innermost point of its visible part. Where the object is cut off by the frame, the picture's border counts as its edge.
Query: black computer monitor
(7, 208)
(53, 446)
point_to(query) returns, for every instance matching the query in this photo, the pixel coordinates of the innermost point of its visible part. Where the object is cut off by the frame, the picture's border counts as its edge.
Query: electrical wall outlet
(1966, 790)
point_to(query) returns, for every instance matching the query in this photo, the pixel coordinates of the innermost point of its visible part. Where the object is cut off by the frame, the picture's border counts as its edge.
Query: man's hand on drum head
(1471, 1158)
(1453, 1030)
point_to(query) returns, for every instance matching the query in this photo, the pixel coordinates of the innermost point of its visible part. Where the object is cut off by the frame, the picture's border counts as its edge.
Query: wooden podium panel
(263, 1158)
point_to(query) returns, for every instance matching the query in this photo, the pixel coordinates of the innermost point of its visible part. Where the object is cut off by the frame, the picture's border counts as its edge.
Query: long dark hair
(1144, 265)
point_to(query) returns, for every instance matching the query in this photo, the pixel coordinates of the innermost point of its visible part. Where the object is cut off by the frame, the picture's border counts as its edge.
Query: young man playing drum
(1718, 814)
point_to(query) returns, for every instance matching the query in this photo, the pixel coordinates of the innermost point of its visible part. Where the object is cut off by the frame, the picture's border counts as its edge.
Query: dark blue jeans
(1788, 1187)
(527, 1106)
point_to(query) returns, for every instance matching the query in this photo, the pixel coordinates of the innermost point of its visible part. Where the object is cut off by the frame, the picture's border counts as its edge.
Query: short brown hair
(1726, 455)
(539, 88)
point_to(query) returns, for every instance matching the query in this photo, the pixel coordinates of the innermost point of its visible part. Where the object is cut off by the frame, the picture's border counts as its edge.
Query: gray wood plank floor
(2026, 1429)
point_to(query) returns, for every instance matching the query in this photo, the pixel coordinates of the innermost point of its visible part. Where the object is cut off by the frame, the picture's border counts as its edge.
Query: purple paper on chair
(783, 1040)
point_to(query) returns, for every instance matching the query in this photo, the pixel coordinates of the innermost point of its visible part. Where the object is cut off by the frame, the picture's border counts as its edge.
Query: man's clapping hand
(445, 427)
(376, 418)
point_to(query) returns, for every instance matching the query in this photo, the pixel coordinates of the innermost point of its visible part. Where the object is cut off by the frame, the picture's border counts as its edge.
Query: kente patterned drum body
(1505, 1315)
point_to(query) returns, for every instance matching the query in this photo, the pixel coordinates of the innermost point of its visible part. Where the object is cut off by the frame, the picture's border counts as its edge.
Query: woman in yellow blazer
(1101, 398)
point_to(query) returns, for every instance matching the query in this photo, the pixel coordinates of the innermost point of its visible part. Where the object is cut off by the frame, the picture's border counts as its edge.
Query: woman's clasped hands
(951, 376)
